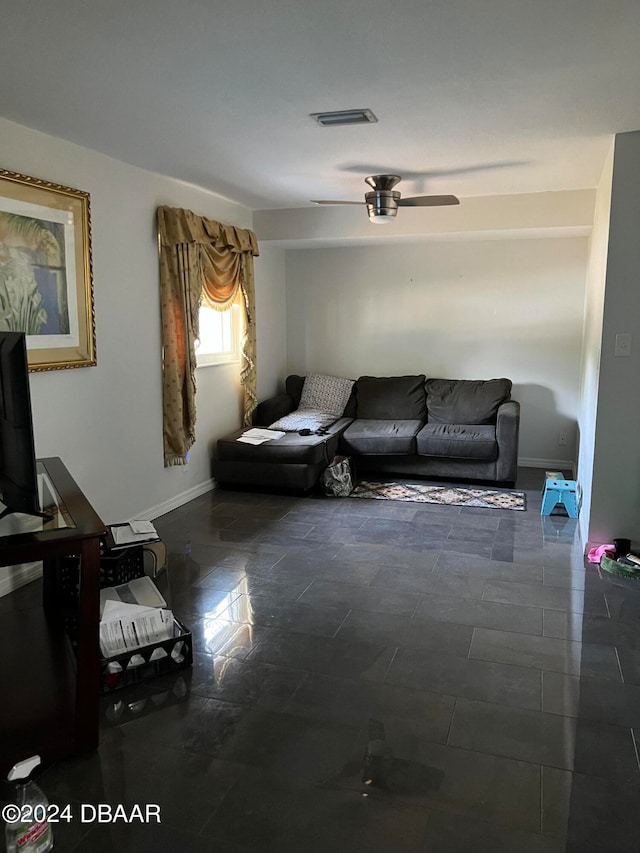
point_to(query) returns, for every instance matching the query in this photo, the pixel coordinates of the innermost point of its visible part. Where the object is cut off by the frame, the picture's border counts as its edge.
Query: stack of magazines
(133, 615)
(132, 533)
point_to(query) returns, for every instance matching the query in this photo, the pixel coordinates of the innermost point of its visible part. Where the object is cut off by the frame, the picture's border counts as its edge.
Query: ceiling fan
(383, 201)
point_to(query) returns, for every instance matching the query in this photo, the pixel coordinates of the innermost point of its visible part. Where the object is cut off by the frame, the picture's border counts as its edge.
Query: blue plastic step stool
(560, 492)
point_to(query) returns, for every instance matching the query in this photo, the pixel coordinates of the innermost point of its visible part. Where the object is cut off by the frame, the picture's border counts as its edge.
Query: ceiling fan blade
(324, 201)
(428, 200)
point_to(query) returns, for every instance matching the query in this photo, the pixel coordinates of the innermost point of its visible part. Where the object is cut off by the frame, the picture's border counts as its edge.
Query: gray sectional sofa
(453, 428)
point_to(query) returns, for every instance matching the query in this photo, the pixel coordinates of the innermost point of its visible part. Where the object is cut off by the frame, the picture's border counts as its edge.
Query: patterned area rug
(443, 495)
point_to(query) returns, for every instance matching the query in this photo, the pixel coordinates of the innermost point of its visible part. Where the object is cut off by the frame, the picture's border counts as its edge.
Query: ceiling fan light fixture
(381, 218)
(383, 201)
(341, 117)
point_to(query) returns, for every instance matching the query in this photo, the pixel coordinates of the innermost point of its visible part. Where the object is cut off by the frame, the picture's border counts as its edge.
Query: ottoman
(292, 462)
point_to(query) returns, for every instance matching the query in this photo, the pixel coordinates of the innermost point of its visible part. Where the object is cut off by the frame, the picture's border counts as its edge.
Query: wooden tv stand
(50, 695)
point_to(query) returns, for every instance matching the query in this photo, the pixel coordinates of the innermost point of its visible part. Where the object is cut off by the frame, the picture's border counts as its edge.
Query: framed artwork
(46, 278)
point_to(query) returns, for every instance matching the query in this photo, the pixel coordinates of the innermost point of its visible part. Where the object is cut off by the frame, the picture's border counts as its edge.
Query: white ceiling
(474, 97)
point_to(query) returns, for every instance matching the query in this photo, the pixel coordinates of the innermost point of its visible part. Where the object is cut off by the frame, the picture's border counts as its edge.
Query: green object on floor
(613, 567)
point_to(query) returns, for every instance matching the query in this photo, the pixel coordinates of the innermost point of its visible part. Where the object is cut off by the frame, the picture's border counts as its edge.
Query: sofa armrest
(507, 431)
(272, 409)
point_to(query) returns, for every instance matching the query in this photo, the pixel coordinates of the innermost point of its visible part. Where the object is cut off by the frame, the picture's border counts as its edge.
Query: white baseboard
(552, 464)
(177, 500)
(18, 576)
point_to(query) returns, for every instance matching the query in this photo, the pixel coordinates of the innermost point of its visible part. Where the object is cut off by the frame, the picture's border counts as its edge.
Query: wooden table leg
(88, 653)
(50, 595)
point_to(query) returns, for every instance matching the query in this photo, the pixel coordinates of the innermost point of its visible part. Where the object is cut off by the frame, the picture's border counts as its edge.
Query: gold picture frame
(46, 274)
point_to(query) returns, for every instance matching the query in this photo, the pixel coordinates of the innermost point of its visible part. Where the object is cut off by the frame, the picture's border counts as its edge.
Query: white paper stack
(133, 533)
(259, 436)
(130, 626)
(141, 591)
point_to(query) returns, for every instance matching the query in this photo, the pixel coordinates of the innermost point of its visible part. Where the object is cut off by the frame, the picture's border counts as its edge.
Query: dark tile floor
(463, 661)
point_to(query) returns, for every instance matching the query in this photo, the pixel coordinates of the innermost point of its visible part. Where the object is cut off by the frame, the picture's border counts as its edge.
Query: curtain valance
(183, 226)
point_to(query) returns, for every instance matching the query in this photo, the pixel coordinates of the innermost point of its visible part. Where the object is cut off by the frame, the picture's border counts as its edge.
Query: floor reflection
(558, 528)
(140, 700)
(228, 627)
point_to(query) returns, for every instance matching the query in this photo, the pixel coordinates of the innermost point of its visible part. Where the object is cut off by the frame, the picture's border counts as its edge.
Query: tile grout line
(473, 634)
(389, 665)
(635, 747)
(453, 713)
(370, 583)
(530, 761)
(306, 676)
(415, 609)
(335, 633)
(305, 590)
(540, 822)
(615, 648)
(436, 561)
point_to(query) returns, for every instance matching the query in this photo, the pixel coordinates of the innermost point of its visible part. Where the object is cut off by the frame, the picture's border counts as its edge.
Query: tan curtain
(200, 258)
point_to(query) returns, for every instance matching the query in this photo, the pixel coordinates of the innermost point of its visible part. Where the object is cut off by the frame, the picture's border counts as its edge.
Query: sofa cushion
(380, 436)
(325, 394)
(395, 398)
(458, 441)
(303, 419)
(465, 401)
(322, 401)
(294, 385)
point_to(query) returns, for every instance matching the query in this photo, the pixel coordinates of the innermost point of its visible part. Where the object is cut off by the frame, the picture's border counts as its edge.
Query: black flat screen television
(18, 474)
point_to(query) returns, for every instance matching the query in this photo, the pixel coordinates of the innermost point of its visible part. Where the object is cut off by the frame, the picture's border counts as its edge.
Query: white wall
(615, 495)
(592, 342)
(271, 312)
(478, 309)
(105, 422)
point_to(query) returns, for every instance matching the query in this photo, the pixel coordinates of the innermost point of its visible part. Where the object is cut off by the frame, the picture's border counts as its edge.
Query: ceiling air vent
(344, 117)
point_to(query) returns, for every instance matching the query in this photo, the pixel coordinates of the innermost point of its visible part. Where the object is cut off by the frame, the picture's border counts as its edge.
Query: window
(219, 336)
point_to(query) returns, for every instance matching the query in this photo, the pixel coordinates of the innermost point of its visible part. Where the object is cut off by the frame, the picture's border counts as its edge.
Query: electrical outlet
(563, 438)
